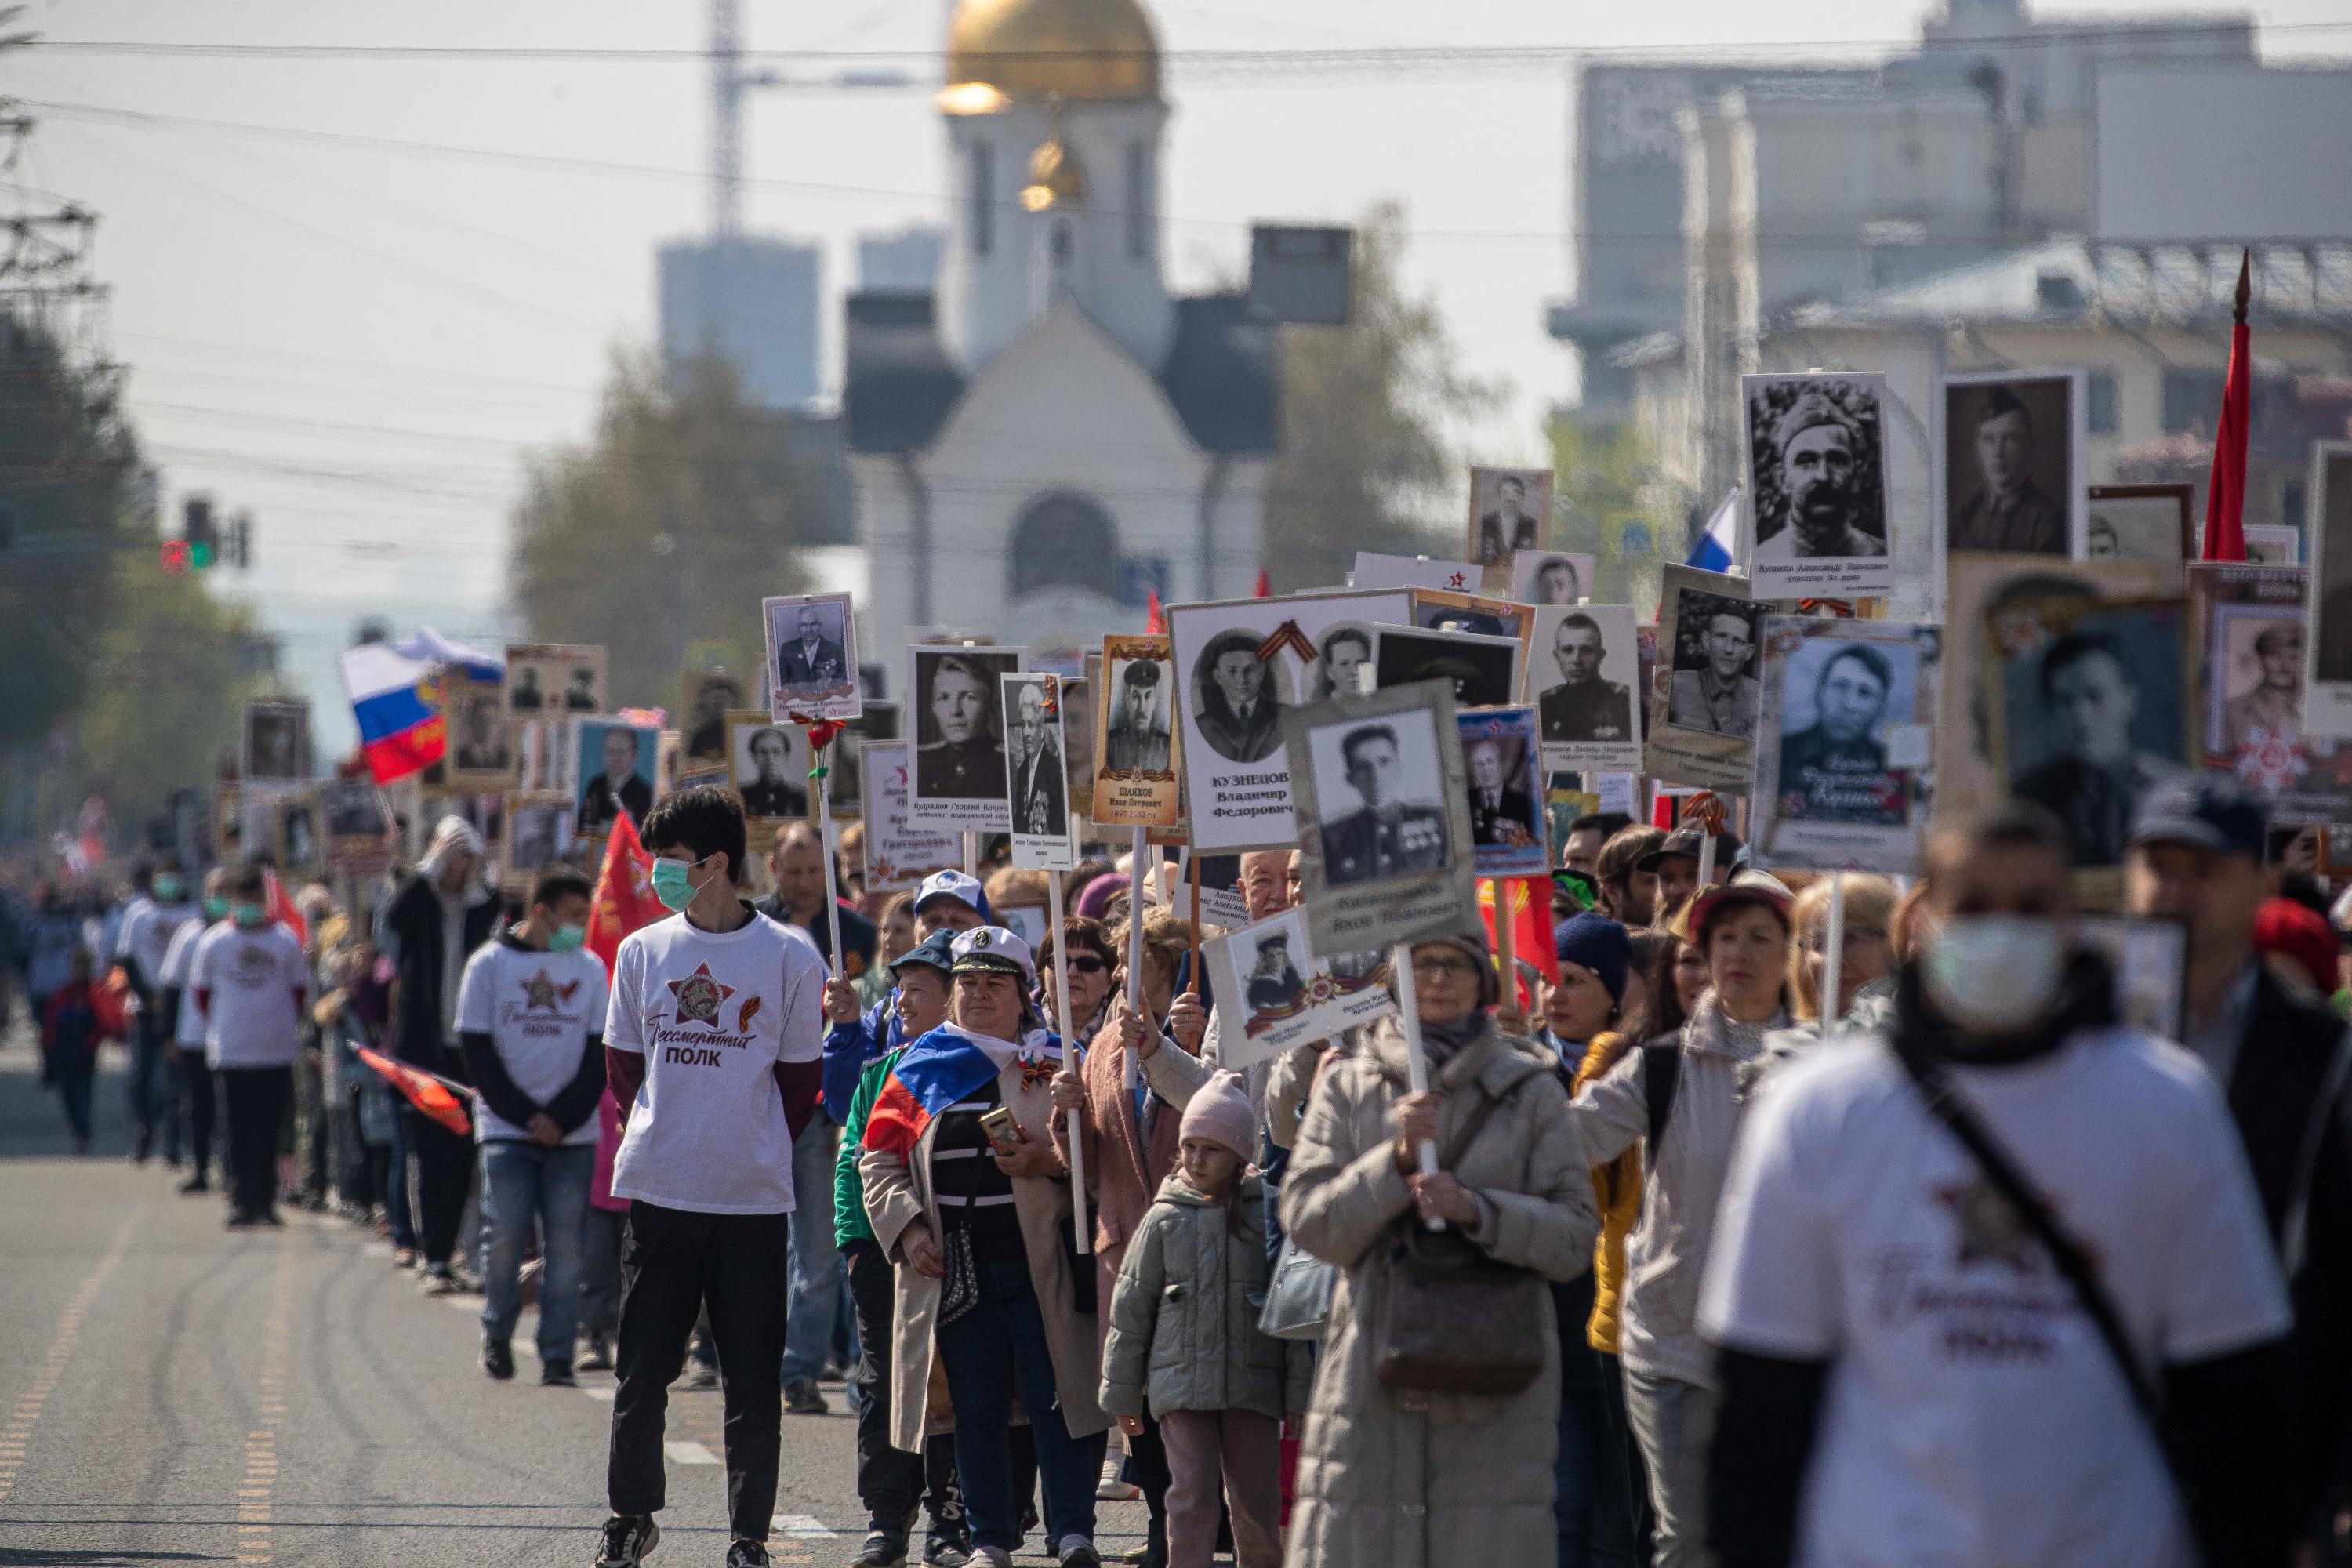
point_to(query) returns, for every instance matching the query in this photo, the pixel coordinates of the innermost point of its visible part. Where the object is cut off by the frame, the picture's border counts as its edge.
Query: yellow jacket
(1617, 1189)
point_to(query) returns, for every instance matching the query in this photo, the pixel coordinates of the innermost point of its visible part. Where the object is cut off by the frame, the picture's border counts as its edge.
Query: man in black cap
(1822, 499)
(1138, 738)
(1274, 983)
(1674, 863)
(1386, 837)
(2283, 1058)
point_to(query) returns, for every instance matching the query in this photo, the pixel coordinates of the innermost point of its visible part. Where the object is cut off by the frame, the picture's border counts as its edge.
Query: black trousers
(892, 1481)
(255, 1100)
(674, 1263)
(197, 1096)
(443, 1165)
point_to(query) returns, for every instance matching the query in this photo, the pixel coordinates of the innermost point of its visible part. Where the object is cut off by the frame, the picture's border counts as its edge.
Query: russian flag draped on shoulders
(938, 1070)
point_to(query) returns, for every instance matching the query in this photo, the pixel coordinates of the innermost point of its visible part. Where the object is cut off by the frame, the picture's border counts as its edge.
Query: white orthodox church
(1052, 433)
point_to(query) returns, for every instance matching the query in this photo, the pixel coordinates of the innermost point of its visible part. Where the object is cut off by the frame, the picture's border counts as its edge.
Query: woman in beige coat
(1030, 1328)
(1397, 1479)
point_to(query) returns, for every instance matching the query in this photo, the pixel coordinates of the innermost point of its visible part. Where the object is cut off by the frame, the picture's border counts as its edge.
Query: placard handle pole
(832, 890)
(1706, 857)
(1416, 1065)
(1193, 863)
(970, 853)
(1832, 955)
(1506, 958)
(1083, 1232)
(1142, 847)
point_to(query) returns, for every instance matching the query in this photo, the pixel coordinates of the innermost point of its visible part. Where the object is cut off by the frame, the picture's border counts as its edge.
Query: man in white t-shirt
(1909, 1377)
(531, 1022)
(713, 1048)
(153, 917)
(248, 979)
(184, 1030)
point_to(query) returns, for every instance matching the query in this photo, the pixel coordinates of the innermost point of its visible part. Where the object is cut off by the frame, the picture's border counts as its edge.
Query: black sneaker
(196, 1184)
(240, 1220)
(802, 1397)
(1078, 1551)
(882, 1549)
(557, 1374)
(748, 1555)
(497, 1358)
(629, 1540)
(940, 1552)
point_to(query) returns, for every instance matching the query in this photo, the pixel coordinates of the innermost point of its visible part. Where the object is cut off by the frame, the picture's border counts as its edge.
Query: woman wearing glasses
(1867, 956)
(1469, 1475)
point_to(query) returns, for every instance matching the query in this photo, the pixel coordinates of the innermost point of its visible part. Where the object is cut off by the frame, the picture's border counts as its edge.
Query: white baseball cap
(952, 885)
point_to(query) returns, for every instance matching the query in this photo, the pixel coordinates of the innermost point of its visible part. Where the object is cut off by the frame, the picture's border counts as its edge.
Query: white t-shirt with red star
(713, 1013)
(539, 1009)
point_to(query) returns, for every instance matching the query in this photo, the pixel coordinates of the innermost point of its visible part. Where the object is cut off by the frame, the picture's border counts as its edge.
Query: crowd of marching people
(1733, 1250)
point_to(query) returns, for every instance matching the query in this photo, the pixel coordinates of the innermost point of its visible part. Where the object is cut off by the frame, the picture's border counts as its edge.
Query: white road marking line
(802, 1527)
(606, 1395)
(27, 1414)
(685, 1453)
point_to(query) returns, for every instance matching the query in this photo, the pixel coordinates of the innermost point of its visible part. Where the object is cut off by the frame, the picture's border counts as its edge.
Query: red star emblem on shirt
(699, 996)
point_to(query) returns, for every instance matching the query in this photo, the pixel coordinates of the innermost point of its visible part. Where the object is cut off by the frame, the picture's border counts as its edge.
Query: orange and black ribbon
(1287, 636)
(1708, 807)
(1835, 606)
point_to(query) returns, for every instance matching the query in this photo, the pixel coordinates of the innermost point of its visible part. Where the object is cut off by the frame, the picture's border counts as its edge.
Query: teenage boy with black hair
(712, 1047)
(249, 978)
(530, 1021)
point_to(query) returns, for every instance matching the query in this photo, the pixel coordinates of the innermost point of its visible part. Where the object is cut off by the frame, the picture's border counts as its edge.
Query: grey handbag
(1299, 1296)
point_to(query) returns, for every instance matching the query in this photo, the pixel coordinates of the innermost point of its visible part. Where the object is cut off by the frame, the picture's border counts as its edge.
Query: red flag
(2225, 492)
(625, 898)
(1531, 899)
(1265, 586)
(1154, 623)
(282, 910)
(433, 1095)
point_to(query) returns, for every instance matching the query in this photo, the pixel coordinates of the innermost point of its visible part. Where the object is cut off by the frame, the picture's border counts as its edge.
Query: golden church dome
(1079, 50)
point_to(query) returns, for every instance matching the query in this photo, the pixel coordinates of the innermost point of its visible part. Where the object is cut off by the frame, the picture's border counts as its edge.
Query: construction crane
(730, 83)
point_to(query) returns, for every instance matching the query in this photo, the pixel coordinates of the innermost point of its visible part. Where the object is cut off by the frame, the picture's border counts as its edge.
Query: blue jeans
(817, 1280)
(1592, 1482)
(524, 1181)
(996, 1349)
(395, 1185)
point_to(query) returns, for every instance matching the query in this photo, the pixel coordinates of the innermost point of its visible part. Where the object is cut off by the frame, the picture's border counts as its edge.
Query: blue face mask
(249, 916)
(214, 908)
(673, 885)
(567, 939)
(167, 889)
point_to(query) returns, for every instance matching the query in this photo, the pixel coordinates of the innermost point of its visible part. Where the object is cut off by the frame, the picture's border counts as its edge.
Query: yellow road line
(255, 1511)
(15, 1438)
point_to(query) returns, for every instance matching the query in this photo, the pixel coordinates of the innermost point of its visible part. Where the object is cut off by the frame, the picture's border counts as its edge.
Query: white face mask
(1995, 975)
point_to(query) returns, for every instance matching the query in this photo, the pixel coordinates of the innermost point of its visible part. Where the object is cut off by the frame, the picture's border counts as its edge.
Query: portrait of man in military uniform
(1501, 806)
(1509, 506)
(2098, 767)
(710, 694)
(2273, 704)
(1583, 707)
(1275, 983)
(809, 656)
(1824, 500)
(765, 777)
(1038, 782)
(1387, 834)
(1136, 737)
(2009, 465)
(960, 754)
(1237, 706)
(1834, 768)
(1714, 687)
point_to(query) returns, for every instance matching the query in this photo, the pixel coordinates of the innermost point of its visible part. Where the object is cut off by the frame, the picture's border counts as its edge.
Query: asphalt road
(172, 1392)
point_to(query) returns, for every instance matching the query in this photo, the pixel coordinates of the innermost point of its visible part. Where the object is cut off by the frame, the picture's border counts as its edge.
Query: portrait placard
(1510, 511)
(709, 696)
(1584, 675)
(1375, 571)
(1039, 797)
(898, 855)
(1135, 782)
(1509, 834)
(359, 834)
(2327, 703)
(1550, 576)
(258, 801)
(538, 835)
(768, 767)
(1843, 744)
(1966, 781)
(2274, 544)
(2010, 476)
(1704, 699)
(614, 760)
(481, 753)
(549, 680)
(812, 657)
(1236, 768)
(1482, 671)
(1442, 610)
(2250, 636)
(301, 846)
(1383, 817)
(845, 758)
(2143, 522)
(276, 742)
(960, 779)
(1284, 995)
(2091, 711)
(1818, 515)
(2150, 960)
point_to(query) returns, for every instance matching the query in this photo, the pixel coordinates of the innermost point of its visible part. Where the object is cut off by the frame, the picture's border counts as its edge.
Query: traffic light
(199, 534)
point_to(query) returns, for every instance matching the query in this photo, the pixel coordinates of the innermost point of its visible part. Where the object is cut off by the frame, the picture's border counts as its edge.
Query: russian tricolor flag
(932, 1074)
(397, 702)
(1718, 542)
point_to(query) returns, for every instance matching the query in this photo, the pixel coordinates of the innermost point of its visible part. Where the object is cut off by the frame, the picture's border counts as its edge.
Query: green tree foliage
(1366, 462)
(659, 537)
(1604, 471)
(165, 699)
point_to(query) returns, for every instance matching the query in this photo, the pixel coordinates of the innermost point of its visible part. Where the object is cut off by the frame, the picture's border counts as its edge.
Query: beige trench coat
(1394, 1479)
(898, 1192)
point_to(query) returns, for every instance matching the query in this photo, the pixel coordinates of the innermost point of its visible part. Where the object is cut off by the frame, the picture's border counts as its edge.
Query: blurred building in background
(751, 301)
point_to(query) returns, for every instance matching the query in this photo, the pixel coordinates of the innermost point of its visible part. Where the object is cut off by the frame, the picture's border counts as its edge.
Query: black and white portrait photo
(1838, 699)
(1140, 694)
(2012, 462)
(481, 753)
(1287, 992)
(351, 809)
(1817, 480)
(811, 655)
(1714, 687)
(1548, 577)
(1237, 697)
(2143, 522)
(1274, 983)
(960, 776)
(1483, 671)
(555, 680)
(277, 741)
(1382, 794)
(768, 764)
(2328, 712)
(1584, 678)
(1509, 510)
(1040, 785)
(615, 764)
(709, 695)
(539, 834)
(1441, 610)
(1342, 655)
(1500, 766)
(300, 847)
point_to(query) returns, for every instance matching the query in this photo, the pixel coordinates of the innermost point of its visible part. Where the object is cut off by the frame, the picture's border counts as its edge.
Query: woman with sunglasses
(1092, 959)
